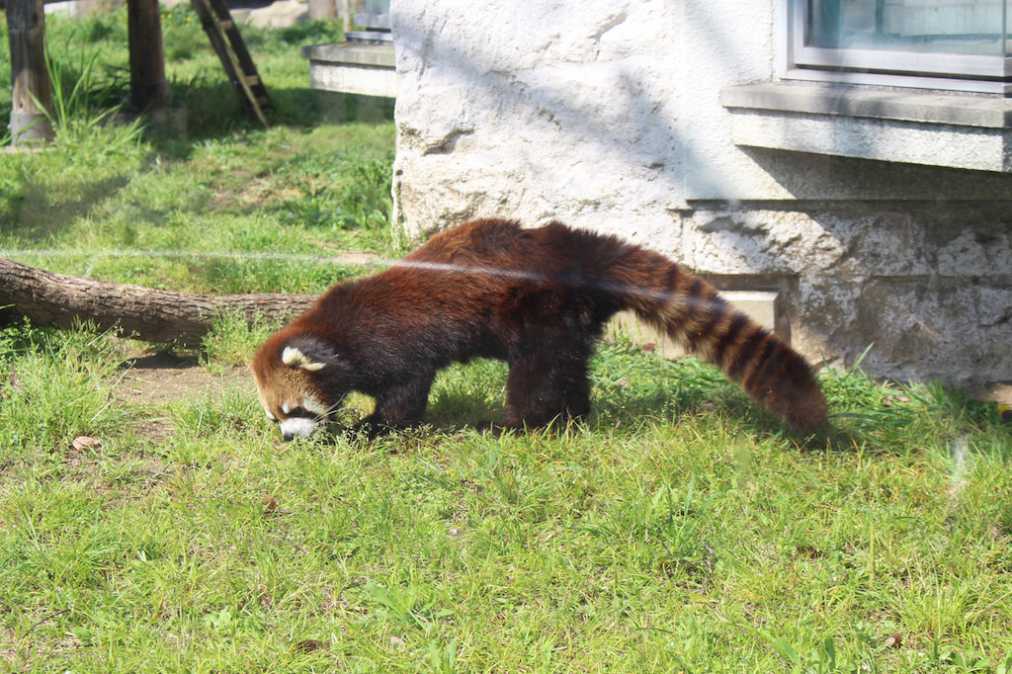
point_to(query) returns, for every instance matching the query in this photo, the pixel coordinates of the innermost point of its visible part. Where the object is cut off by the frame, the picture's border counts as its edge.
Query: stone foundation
(926, 288)
(610, 118)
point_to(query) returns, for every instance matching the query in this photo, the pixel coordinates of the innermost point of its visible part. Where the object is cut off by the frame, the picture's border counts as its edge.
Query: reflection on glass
(936, 26)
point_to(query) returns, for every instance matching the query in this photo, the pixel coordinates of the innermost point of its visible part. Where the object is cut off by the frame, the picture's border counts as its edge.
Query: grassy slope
(677, 530)
(203, 180)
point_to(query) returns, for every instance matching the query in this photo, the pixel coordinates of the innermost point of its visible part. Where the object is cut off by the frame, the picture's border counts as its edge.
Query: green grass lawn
(203, 179)
(678, 529)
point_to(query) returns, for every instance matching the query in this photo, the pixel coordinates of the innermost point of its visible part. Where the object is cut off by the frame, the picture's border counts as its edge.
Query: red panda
(535, 298)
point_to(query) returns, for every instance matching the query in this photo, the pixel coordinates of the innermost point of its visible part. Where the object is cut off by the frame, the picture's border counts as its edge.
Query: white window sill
(955, 130)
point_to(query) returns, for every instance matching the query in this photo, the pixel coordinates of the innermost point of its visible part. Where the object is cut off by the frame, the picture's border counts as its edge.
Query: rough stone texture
(609, 118)
(535, 109)
(927, 286)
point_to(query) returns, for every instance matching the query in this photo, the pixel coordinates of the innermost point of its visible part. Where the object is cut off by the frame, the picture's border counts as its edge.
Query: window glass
(930, 26)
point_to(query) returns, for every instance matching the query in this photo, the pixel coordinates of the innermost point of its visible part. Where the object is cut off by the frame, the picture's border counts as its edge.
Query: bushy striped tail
(692, 312)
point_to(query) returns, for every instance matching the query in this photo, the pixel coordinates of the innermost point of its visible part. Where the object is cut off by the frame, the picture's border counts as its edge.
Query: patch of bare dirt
(161, 378)
(158, 379)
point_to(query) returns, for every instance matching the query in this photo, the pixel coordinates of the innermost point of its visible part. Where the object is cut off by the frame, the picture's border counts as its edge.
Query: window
(942, 44)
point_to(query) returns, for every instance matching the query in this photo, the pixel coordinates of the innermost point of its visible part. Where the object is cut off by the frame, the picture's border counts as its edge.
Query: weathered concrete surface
(353, 79)
(278, 14)
(610, 118)
(378, 55)
(965, 147)
(535, 109)
(364, 69)
(927, 286)
(906, 105)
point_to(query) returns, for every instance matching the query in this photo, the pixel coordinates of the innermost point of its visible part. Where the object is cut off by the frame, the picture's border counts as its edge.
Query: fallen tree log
(49, 299)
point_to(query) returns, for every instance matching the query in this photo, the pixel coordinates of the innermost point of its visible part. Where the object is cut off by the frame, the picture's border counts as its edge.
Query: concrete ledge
(757, 305)
(379, 55)
(986, 111)
(365, 69)
(278, 14)
(953, 130)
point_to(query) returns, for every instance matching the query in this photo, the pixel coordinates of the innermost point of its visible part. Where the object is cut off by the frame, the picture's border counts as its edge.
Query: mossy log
(49, 299)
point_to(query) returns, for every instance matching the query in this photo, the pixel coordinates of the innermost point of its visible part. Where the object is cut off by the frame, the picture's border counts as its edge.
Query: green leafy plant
(83, 103)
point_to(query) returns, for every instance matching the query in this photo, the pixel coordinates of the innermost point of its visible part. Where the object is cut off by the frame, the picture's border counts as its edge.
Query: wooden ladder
(227, 42)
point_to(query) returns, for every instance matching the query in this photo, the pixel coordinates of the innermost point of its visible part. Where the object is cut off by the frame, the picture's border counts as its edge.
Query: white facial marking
(298, 427)
(315, 406)
(285, 408)
(292, 357)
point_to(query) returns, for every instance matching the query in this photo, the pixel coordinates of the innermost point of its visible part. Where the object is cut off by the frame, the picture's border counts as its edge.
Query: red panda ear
(309, 352)
(292, 356)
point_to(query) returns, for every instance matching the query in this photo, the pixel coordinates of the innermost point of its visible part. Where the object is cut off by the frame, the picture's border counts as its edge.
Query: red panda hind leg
(547, 384)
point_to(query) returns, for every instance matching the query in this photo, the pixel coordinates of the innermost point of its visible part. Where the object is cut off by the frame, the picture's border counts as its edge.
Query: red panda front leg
(400, 406)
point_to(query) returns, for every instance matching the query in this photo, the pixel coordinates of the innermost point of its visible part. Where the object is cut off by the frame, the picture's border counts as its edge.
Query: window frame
(895, 68)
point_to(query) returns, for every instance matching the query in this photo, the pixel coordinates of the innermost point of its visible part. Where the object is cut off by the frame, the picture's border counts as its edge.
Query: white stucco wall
(606, 114)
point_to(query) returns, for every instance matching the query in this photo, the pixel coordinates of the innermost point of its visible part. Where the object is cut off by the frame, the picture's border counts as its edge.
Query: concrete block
(346, 53)
(278, 14)
(936, 129)
(82, 8)
(337, 107)
(364, 69)
(353, 79)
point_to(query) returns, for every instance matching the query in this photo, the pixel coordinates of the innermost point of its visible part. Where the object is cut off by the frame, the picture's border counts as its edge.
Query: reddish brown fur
(536, 298)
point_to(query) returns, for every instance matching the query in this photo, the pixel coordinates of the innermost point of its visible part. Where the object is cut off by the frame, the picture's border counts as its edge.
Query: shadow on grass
(865, 416)
(201, 111)
(204, 110)
(162, 360)
(39, 212)
(453, 409)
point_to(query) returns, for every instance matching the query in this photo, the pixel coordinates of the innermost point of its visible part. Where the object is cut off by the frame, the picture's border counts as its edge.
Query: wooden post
(148, 87)
(26, 26)
(344, 11)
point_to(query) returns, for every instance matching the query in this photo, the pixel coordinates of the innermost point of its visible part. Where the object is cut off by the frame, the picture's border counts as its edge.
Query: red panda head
(296, 389)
